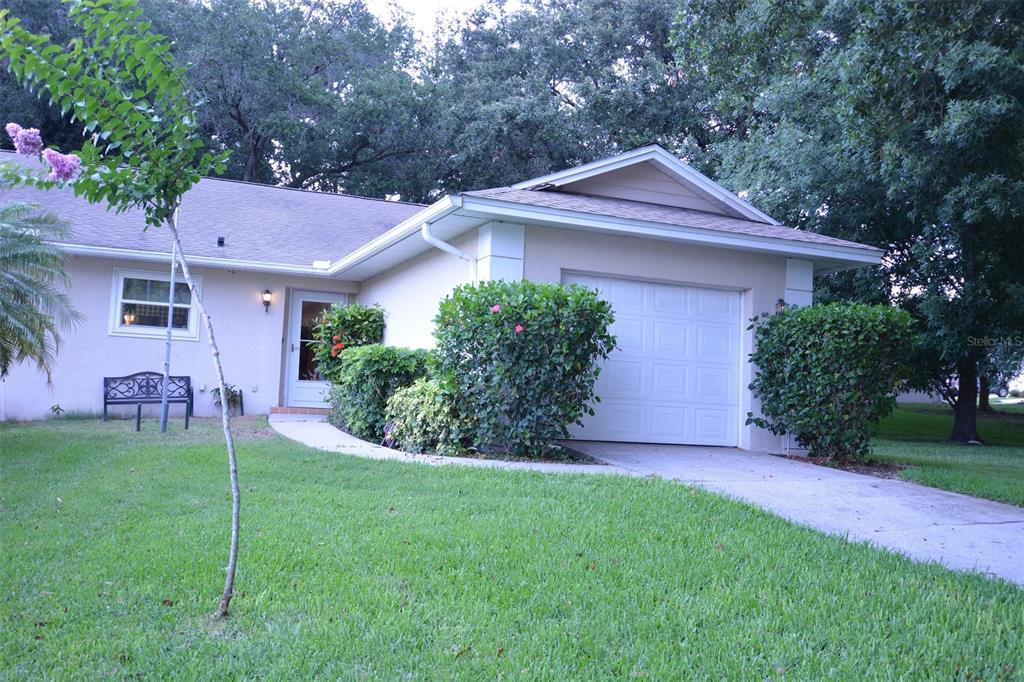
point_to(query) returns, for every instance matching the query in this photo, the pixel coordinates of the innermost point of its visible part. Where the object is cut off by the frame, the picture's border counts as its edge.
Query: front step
(323, 411)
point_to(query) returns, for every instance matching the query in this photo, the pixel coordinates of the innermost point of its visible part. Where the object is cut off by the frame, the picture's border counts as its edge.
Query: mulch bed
(877, 469)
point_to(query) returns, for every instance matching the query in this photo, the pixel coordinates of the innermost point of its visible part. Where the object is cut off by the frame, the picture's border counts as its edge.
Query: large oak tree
(899, 124)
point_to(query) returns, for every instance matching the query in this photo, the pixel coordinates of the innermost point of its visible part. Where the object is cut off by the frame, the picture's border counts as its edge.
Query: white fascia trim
(404, 229)
(203, 261)
(495, 209)
(668, 162)
(587, 170)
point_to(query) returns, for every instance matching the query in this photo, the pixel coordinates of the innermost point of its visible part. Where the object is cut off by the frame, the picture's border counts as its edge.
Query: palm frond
(34, 304)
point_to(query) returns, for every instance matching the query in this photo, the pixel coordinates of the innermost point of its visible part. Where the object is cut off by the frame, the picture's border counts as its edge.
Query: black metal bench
(146, 388)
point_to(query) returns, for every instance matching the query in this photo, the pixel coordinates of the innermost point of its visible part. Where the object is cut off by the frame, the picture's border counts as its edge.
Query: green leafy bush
(344, 326)
(422, 419)
(518, 361)
(233, 393)
(825, 373)
(366, 377)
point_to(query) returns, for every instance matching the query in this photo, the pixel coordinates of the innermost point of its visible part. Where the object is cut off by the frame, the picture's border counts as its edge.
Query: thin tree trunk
(229, 580)
(983, 390)
(965, 419)
(164, 405)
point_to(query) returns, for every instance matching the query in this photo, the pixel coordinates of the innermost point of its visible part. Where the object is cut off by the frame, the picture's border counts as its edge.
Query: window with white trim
(140, 301)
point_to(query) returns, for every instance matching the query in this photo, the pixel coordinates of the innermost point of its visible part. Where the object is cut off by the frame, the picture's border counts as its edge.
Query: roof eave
(199, 261)
(845, 257)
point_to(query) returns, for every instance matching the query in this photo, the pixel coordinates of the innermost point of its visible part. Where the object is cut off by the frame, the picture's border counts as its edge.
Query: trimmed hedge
(518, 361)
(365, 378)
(826, 373)
(422, 419)
(342, 327)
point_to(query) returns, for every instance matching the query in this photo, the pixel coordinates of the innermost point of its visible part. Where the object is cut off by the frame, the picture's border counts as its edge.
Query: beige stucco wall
(411, 292)
(250, 342)
(760, 278)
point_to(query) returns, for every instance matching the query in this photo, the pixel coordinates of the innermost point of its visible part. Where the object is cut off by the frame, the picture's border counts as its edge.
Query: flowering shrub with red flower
(345, 326)
(517, 362)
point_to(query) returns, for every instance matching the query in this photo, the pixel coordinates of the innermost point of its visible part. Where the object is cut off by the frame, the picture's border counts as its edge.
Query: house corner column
(799, 282)
(499, 254)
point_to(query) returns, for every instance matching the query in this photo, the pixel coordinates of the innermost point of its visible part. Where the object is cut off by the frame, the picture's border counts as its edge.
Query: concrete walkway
(964, 533)
(926, 524)
(315, 432)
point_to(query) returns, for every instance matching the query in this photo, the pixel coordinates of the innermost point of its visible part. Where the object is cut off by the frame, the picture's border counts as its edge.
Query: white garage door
(675, 375)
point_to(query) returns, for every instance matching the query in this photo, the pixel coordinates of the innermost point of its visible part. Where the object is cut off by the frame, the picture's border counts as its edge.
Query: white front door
(675, 376)
(304, 386)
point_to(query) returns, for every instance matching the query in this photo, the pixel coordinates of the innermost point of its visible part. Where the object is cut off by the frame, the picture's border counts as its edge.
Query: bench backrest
(145, 387)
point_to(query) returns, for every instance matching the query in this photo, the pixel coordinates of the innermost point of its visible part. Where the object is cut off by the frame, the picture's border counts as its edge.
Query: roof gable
(652, 175)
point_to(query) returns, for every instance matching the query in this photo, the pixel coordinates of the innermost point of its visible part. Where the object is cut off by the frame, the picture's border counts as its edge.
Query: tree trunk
(252, 164)
(965, 420)
(229, 580)
(983, 391)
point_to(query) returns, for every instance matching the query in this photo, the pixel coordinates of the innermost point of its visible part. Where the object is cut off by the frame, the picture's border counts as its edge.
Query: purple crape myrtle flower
(62, 166)
(27, 141)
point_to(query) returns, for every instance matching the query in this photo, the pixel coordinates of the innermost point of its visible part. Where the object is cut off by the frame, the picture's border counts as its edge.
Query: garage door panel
(675, 301)
(621, 378)
(712, 304)
(715, 343)
(715, 426)
(674, 376)
(614, 419)
(629, 297)
(599, 284)
(715, 384)
(668, 380)
(668, 421)
(630, 335)
(669, 339)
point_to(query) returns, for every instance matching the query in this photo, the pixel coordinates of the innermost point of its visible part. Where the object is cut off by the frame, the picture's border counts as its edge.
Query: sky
(423, 14)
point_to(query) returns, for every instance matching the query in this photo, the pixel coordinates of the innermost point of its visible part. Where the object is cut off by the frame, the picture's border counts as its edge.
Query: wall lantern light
(267, 298)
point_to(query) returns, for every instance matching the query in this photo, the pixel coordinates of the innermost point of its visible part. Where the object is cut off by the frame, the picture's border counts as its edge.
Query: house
(684, 262)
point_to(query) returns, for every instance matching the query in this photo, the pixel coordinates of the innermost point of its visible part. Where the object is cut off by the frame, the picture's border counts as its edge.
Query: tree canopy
(897, 124)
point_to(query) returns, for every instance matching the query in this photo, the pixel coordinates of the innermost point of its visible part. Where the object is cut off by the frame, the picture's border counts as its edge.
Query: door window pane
(310, 315)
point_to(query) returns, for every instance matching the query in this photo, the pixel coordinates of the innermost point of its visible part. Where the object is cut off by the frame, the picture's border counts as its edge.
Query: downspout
(448, 248)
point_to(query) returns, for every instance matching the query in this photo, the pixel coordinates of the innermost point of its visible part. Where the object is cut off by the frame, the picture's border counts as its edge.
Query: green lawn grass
(917, 435)
(114, 545)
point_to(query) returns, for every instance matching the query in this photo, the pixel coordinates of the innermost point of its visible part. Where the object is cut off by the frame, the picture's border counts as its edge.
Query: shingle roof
(657, 213)
(258, 222)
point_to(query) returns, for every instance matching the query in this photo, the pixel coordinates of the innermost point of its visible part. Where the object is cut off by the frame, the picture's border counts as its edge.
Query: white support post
(799, 282)
(500, 249)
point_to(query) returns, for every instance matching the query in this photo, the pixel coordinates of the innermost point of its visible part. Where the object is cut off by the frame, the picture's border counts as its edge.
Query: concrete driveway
(961, 532)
